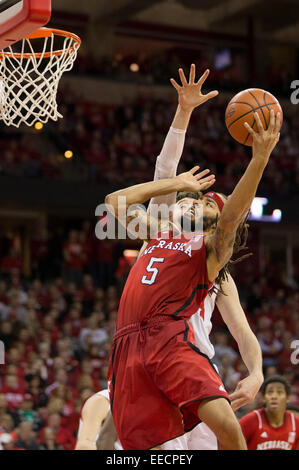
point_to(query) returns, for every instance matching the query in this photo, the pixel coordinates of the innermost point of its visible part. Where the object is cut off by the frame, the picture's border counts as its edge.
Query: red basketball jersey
(170, 278)
(260, 435)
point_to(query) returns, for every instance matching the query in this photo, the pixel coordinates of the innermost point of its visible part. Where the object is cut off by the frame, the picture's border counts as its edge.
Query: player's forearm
(182, 118)
(141, 193)
(250, 352)
(230, 308)
(167, 163)
(85, 444)
(240, 201)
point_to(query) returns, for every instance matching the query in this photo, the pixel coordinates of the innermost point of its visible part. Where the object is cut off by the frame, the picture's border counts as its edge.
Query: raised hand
(189, 93)
(190, 181)
(264, 141)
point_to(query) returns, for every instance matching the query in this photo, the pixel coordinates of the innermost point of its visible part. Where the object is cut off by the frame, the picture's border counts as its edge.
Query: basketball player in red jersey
(156, 373)
(272, 427)
(227, 299)
(189, 98)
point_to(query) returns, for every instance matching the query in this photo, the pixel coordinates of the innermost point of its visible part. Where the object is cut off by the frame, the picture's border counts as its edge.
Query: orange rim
(45, 33)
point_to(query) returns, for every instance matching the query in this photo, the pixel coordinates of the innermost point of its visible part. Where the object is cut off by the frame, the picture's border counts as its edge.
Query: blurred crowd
(229, 65)
(118, 146)
(58, 325)
(229, 71)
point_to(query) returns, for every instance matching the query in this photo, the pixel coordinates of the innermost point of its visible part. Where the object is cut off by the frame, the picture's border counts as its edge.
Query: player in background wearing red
(156, 373)
(272, 427)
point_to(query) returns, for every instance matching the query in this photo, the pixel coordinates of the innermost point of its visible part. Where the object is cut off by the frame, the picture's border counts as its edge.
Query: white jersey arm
(167, 162)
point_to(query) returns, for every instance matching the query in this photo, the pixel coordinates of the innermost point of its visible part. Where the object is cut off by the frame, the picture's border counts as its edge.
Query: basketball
(241, 109)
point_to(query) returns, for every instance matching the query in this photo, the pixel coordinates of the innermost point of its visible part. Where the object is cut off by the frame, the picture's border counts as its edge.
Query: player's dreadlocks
(239, 245)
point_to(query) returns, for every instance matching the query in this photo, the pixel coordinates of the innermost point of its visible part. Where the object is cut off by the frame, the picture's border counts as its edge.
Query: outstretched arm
(234, 317)
(120, 202)
(189, 97)
(220, 244)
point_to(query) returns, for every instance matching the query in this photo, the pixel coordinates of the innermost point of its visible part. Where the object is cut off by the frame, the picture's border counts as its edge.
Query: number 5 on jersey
(153, 271)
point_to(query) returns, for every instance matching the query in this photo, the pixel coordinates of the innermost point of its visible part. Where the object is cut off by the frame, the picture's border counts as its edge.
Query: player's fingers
(236, 394)
(271, 126)
(194, 169)
(203, 78)
(209, 184)
(182, 77)
(175, 84)
(201, 177)
(277, 123)
(207, 179)
(203, 173)
(249, 128)
(237, 404)
(210, 95)
(259, 124)
(192, 74)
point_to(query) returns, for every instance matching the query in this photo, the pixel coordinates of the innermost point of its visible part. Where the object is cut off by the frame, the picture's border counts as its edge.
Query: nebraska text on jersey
(177, 246)
(283, 445)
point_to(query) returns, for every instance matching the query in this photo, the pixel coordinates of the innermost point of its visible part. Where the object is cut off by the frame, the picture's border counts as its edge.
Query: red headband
(215, 198)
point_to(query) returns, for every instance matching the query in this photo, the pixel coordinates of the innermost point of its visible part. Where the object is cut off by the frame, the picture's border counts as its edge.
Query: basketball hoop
(29, 76)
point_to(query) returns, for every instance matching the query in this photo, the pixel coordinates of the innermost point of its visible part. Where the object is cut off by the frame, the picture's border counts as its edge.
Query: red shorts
(157, 378)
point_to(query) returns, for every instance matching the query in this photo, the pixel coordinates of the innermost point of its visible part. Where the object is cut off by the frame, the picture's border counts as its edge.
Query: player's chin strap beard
(210, 222)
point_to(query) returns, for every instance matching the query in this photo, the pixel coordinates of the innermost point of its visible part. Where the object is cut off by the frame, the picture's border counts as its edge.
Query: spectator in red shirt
(74, 258)
(88, 288)
(48, 441)
(63, 436)
(63, 392)
(14, 391)
(60, 379)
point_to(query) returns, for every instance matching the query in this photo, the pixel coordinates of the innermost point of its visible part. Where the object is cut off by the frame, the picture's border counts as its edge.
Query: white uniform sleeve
(167, 162)
(104, 393)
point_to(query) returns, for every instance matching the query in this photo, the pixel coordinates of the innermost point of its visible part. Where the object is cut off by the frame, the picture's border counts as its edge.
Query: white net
(29, 79)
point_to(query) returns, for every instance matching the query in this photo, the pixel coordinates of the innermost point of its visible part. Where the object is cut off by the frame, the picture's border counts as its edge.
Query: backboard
(19, 18)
